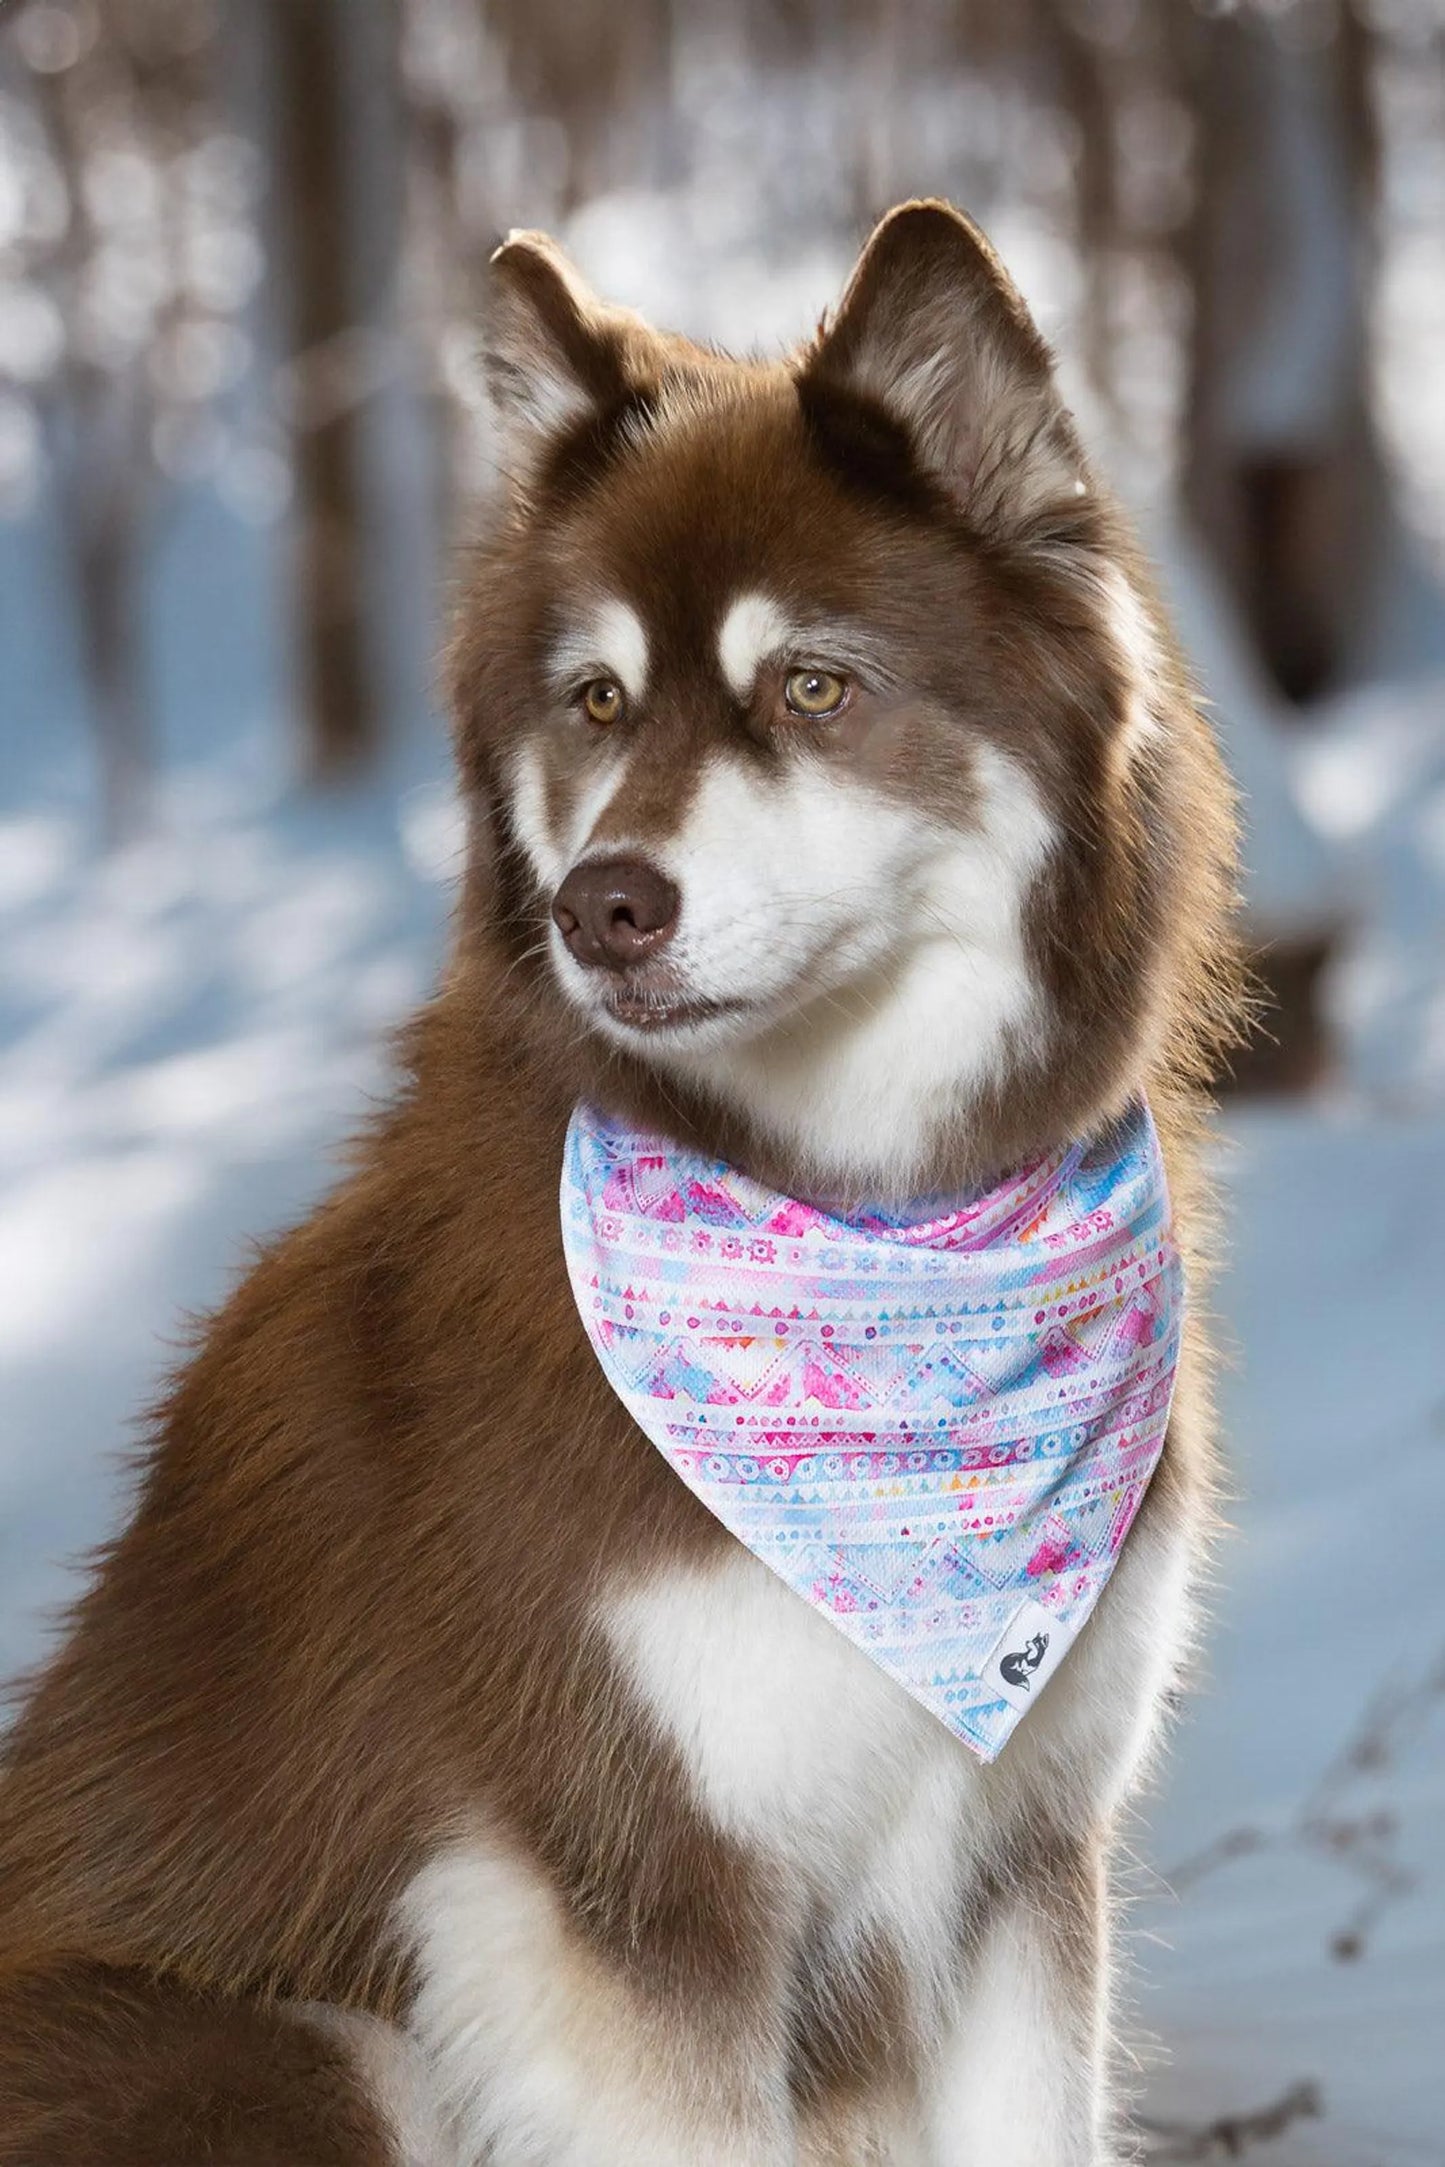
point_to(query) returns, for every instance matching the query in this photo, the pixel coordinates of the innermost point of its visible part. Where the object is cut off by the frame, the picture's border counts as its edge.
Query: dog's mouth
(654, 1012)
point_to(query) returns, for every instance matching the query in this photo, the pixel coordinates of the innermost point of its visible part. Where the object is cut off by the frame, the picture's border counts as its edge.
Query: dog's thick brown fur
(350, 1640)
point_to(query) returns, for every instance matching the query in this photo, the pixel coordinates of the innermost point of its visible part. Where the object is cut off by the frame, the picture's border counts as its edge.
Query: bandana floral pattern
(936, 1427)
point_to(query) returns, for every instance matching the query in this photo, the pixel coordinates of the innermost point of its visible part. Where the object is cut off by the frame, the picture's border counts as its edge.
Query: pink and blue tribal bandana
(936, 1427)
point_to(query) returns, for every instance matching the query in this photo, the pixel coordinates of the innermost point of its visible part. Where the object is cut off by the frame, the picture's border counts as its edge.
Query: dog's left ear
(554, 352)
(933, 329)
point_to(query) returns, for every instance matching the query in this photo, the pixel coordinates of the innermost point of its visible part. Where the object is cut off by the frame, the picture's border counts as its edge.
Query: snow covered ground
(1292, 1934)
(189, 1029)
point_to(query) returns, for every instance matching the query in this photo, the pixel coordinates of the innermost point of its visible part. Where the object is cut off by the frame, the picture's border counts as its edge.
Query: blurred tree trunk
(100, 429)
(106, 525)
(1282, 469)
(1282, 472)
(448, 240)
(317, 308)
(590, 64)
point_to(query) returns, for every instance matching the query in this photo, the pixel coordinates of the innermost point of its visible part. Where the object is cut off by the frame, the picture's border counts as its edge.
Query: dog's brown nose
(616, 912)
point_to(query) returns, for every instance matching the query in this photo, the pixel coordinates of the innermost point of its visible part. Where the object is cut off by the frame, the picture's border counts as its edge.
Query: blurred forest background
(241, 437)
(241, 251)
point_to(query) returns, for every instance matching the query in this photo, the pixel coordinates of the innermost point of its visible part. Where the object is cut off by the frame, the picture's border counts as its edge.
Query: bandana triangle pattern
(936, 1427)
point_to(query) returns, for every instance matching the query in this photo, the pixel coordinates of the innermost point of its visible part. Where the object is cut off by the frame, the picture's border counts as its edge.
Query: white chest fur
(793, 1739)
(803, 1749)
(802, 1746)
(797, 1743)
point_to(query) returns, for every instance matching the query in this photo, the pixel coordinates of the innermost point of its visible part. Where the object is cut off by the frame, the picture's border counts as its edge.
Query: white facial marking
(527, 806)
(754, 628)
(609, 641)
(622, 638)
(552, 854)
(772, 870)
(1138, 649)
(890, 946)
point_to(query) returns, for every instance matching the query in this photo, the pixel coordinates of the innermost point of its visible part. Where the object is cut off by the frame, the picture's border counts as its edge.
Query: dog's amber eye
(814, 692)
(602, 700)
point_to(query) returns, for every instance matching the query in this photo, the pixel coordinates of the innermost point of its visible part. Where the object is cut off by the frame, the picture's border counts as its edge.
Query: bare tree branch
(1231, 2136)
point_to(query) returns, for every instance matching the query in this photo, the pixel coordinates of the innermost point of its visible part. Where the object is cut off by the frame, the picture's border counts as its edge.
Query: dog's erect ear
(553, 351)
(933, 328)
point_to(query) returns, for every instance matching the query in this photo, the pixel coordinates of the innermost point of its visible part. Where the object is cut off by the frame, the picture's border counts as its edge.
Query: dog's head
(834, 775)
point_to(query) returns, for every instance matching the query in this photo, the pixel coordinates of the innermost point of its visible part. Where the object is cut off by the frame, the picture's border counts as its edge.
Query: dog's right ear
(553, 351)
(933, 330)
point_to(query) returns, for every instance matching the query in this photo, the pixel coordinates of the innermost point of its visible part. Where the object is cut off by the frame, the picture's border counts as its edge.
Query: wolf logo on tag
(1019, 1665)
(1026, 1654)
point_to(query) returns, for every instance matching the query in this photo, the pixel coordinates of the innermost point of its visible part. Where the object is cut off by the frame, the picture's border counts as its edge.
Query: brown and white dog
(427, 1777)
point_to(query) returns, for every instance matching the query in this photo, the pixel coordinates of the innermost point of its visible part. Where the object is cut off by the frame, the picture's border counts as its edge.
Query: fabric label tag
(1026, 1655)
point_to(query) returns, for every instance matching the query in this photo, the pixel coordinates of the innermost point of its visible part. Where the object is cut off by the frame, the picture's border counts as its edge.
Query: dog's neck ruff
(936, 1427)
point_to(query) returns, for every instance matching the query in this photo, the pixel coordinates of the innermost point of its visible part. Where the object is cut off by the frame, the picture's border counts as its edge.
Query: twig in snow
(1232, 2135)
(1363, 1843)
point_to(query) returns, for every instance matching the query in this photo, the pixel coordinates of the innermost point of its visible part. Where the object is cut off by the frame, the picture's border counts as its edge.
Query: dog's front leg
(1022, 2080)
(557, 2043)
